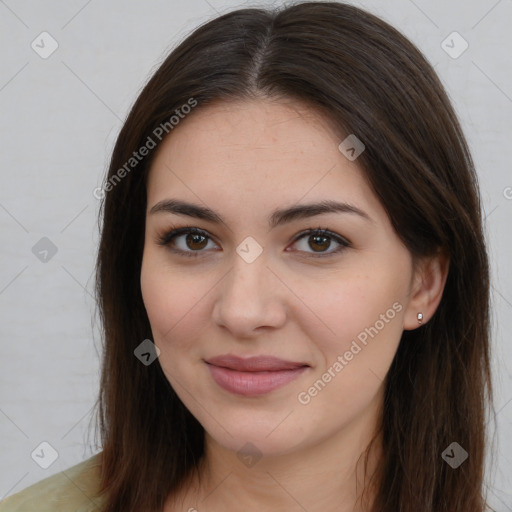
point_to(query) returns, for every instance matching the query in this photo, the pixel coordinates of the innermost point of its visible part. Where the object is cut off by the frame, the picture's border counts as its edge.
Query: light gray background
(59, 119)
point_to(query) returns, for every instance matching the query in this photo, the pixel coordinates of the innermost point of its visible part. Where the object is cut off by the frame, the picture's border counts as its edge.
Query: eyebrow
(278, 217)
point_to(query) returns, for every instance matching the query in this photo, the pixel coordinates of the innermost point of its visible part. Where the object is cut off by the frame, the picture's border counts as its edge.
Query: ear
(427, 288)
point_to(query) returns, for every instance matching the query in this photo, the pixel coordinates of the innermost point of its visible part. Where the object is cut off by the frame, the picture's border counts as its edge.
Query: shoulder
(72, 490)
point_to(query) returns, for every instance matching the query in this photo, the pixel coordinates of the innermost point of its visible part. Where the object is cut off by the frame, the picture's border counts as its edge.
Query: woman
(292, 279)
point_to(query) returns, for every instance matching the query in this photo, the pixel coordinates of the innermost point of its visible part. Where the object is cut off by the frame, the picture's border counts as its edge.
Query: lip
(254, 364)
(253, 376)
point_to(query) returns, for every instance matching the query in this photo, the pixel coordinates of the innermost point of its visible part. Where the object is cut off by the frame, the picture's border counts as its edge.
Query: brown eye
(186, 241)
(195, 241)
(319, 241)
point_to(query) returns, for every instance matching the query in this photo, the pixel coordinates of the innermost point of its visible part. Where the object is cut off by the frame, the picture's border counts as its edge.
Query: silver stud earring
(420, 318)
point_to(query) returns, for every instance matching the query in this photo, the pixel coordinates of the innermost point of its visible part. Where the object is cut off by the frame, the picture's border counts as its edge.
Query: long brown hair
(368, 79)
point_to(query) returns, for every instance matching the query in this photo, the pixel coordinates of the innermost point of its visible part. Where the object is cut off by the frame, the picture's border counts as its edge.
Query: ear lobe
(426, 292)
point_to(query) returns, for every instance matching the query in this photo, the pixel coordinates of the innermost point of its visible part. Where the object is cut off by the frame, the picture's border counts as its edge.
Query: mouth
(253, 376)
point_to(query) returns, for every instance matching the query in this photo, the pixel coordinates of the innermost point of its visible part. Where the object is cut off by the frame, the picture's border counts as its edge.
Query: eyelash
(169, 236)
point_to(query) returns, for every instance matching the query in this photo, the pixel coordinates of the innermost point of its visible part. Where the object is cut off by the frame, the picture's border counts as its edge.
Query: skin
(244, 160)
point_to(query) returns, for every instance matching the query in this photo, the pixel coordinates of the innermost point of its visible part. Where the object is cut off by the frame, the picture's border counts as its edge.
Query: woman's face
(255, 284)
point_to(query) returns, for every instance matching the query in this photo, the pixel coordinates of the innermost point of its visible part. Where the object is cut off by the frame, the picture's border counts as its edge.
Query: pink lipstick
(253, 376)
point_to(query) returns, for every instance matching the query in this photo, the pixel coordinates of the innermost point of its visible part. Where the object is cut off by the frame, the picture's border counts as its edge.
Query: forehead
(255, 155)
(265, 128)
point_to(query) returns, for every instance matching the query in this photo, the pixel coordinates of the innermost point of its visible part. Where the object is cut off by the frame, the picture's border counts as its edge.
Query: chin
(262, 437)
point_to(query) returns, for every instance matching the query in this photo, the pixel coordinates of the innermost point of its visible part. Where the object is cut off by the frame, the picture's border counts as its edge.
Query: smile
(253, 376)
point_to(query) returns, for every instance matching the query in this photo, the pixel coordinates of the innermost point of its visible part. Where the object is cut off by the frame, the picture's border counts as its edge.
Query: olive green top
(72, 490)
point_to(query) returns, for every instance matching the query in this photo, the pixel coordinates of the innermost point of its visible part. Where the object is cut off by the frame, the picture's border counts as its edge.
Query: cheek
(173, 302)
(362, 323)
(346, 307)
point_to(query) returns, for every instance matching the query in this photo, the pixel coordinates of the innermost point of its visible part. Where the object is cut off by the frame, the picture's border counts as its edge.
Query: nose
(250, 298)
